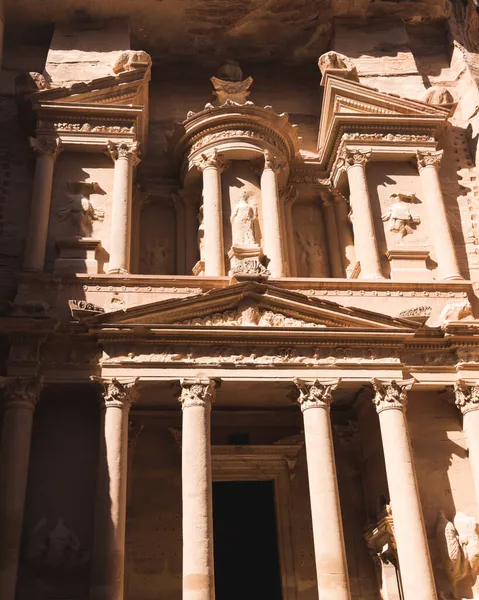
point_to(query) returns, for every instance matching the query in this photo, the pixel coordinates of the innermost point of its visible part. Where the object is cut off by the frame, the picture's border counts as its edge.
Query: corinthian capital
(350, 157)
(215, 160)
(197, 392)
(466, 397)
(128, 150)
(119, 394)
(21, 392)
(431, 158)
(393, 395)
(315, 393)
(49, 145)
(272, 162)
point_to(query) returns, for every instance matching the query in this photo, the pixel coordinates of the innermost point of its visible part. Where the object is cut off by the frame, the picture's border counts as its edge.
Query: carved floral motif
(84, 127)
(197, 392)
(266, 318)
(430, 158)
(21, 392)
(466, 396)
(213, 160)
(47, 144)
(417, 311)
(272, 162)
(124, 150)
(388, 137)
(391, 395)
(354, 156)
(315, 394)
(118, 394)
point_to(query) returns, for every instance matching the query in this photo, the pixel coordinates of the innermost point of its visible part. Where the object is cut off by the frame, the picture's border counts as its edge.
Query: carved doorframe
(266, 463)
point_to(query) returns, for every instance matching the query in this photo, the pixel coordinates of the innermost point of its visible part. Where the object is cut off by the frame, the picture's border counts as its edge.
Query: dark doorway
(245, 541)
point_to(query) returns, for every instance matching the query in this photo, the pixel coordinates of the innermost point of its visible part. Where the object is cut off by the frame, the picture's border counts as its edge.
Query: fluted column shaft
(409, 530)
(21, 398)
(365, 241)
(47, 149)
(212, 167)
(125, 157)
(198, 564)
(271, 206)
(467, 400)
(440, 232)
(108, 564)
(330, 555)
(335, 264)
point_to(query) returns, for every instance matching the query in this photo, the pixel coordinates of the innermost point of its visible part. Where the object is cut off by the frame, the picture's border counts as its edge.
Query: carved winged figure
(79, 208)
(400, 219)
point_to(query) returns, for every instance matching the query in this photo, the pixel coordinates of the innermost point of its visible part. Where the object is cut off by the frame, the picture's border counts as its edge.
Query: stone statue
(156, 258)
(79, 209)
(243, 222)
(401, 221)
(311, 255)
(201, 234)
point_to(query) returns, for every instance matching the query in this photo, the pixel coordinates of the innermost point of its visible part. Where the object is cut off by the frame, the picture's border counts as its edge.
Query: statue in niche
(401, 221)
(156, 258)
(79, 210)
(243, 221)
(311, 255)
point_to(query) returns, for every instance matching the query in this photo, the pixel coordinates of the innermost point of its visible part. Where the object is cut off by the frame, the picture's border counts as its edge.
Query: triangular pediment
(258, 305)
(349, 106)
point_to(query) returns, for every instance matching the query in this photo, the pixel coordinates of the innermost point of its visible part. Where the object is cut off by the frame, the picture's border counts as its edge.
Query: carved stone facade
(238, 301)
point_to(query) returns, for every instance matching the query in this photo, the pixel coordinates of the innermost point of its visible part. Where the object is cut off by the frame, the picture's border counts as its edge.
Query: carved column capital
(215, 160)
(119, 394)
(351, 157)
(197, 392)
(431, 158)
(21, 392)
(315, 393)
(273, 162)
(48, 145)
(129, 150)
(393, 395)
(466, 397)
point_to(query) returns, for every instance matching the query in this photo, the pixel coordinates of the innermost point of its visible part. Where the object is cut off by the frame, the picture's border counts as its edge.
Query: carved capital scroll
(393, 395)
(466, 397)
(21, 392)
(214, 160)
(431, 158)
(315, 393)
(197, 392)
(129, 150)
(272, 162)
(49, 145)
(119, 394)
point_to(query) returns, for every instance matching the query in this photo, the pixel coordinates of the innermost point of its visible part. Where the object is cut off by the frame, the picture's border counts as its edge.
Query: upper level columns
(212, 166)
(331, 567)
(21, 398)
(47, 149)
(363, 222)
(125, 157)
(467, 400)
(108, 563)
(198, 565)
(272, 231)
(412, 546)
(428, 164)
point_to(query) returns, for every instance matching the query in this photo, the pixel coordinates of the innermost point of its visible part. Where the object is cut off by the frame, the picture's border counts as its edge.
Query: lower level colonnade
(197, 397)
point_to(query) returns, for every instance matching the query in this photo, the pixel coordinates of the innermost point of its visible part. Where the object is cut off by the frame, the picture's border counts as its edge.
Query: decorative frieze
(388, 137)
(197, 392)
(84, 127)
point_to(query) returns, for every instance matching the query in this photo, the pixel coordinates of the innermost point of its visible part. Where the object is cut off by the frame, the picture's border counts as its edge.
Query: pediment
(258, 305)
(351, 106)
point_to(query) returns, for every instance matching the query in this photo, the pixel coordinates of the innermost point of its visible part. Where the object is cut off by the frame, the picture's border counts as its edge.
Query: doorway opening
(245, 541)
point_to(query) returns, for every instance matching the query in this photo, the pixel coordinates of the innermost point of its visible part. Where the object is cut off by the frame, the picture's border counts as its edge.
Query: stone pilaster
(271, 206)
(390, 399)
(315, 399)
(108, 565)
(21, 397)
(47, 149)
(467, 400)
(441, 237)
(198, 564)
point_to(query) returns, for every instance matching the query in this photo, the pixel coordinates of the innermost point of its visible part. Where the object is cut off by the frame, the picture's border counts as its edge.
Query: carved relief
(78, 209)
(418, 311)
(391, 395)
(128, 150)
(119, 394)
(130, 60)
(214, 159)
(388, 137)
(466, 396)
(429, 159)
(230, 85)
(315, 394)
(47, 144)
(334, 61)
(84, 127)
(197, 392)
(243, 221)
(401, 221)
(456, 311)
(265, 318)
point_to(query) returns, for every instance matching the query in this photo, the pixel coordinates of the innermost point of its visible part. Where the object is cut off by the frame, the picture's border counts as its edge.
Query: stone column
(289, 200)
(108, 562)
(335, 264)
(410, 533)
(428, 164)
(180, 234)
(467, 400)
(365, 241)
(330, 556)
(198, 565)
(212, 166)
(47, 149)
(271, 206)
(125, 157)
(21, 397)
(345, 234)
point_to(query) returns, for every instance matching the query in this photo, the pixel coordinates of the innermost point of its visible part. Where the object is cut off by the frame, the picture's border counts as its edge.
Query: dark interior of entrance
(245, 541)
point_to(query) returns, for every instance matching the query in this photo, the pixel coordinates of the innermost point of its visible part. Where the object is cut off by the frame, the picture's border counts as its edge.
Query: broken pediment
(350, 107)
(251, 304)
